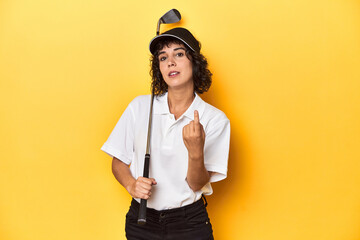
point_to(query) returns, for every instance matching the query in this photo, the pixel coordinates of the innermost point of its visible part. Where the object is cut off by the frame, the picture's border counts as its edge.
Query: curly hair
(201, 73)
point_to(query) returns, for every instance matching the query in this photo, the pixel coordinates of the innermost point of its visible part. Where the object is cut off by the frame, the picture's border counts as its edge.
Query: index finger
(196, 116)
(146, 180)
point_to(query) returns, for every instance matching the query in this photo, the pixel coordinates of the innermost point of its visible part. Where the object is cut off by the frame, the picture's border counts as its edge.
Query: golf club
(171, 16)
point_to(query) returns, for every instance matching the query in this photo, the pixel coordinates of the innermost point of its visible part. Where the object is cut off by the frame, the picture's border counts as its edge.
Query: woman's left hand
(194, 137)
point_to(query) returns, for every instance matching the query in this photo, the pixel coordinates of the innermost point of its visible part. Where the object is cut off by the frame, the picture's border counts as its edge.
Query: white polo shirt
(169, 156)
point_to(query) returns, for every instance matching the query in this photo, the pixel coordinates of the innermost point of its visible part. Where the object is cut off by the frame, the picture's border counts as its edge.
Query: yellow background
(286, 73)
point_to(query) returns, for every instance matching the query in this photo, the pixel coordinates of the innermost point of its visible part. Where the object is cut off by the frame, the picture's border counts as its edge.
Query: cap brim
(156, 39)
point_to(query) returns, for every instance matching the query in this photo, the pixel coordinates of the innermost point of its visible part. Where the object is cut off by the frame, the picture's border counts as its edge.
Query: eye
(162, 58)
(180, 54)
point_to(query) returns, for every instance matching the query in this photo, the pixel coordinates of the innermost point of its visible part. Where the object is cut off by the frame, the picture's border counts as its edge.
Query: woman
(189, 144)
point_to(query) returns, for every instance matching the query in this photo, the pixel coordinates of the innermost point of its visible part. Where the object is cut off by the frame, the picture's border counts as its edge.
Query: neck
(180, 101)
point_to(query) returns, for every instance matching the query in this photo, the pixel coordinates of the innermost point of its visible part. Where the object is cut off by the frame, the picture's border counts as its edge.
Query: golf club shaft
(143, 202)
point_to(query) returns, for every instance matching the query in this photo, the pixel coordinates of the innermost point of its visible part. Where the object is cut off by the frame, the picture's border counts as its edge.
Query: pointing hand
(194, 137)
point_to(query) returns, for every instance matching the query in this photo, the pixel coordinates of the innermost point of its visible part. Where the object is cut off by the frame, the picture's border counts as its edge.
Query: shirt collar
(161, 106)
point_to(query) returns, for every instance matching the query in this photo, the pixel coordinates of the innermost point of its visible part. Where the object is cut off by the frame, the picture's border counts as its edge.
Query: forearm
(122, 174)
(197, 175)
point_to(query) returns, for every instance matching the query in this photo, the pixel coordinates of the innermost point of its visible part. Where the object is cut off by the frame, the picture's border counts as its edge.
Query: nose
(171, 62)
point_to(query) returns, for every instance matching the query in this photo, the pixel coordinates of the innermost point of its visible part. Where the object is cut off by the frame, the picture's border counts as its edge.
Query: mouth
(173, 74)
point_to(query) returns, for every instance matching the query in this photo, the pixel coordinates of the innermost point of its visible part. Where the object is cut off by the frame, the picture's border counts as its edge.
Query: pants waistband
(174, 211)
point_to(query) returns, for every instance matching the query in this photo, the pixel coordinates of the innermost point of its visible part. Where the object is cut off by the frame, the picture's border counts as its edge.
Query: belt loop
(203, 197)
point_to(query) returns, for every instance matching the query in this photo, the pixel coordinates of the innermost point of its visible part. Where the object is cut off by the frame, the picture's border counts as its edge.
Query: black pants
(190, 222)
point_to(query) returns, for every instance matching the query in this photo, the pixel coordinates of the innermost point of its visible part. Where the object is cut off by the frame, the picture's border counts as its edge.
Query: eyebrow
(179, 48)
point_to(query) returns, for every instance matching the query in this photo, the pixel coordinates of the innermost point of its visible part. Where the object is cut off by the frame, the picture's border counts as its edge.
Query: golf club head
(171, 16)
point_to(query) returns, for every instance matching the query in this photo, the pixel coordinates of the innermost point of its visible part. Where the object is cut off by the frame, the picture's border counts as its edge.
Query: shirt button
(162, 215)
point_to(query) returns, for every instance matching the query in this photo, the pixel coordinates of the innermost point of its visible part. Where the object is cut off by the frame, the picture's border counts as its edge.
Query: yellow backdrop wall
(286, 73)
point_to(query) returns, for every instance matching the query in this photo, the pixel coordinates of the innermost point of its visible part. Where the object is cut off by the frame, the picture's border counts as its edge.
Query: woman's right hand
(138, 188)
(141, 187)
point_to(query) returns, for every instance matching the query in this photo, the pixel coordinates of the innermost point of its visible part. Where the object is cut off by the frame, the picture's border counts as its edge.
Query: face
(175, 67)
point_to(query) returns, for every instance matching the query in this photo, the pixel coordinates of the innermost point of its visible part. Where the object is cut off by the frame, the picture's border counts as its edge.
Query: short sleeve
(216, 150)
(120, 143)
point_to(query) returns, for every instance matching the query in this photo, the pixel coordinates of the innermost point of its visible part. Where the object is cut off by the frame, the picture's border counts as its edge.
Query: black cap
(182, 34)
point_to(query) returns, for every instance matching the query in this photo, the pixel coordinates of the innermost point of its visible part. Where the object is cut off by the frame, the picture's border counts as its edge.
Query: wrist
(129, 185)
(199, 157)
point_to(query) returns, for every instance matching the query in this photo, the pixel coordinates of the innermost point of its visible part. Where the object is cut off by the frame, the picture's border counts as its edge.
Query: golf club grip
(142, 212)
(143, 202)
